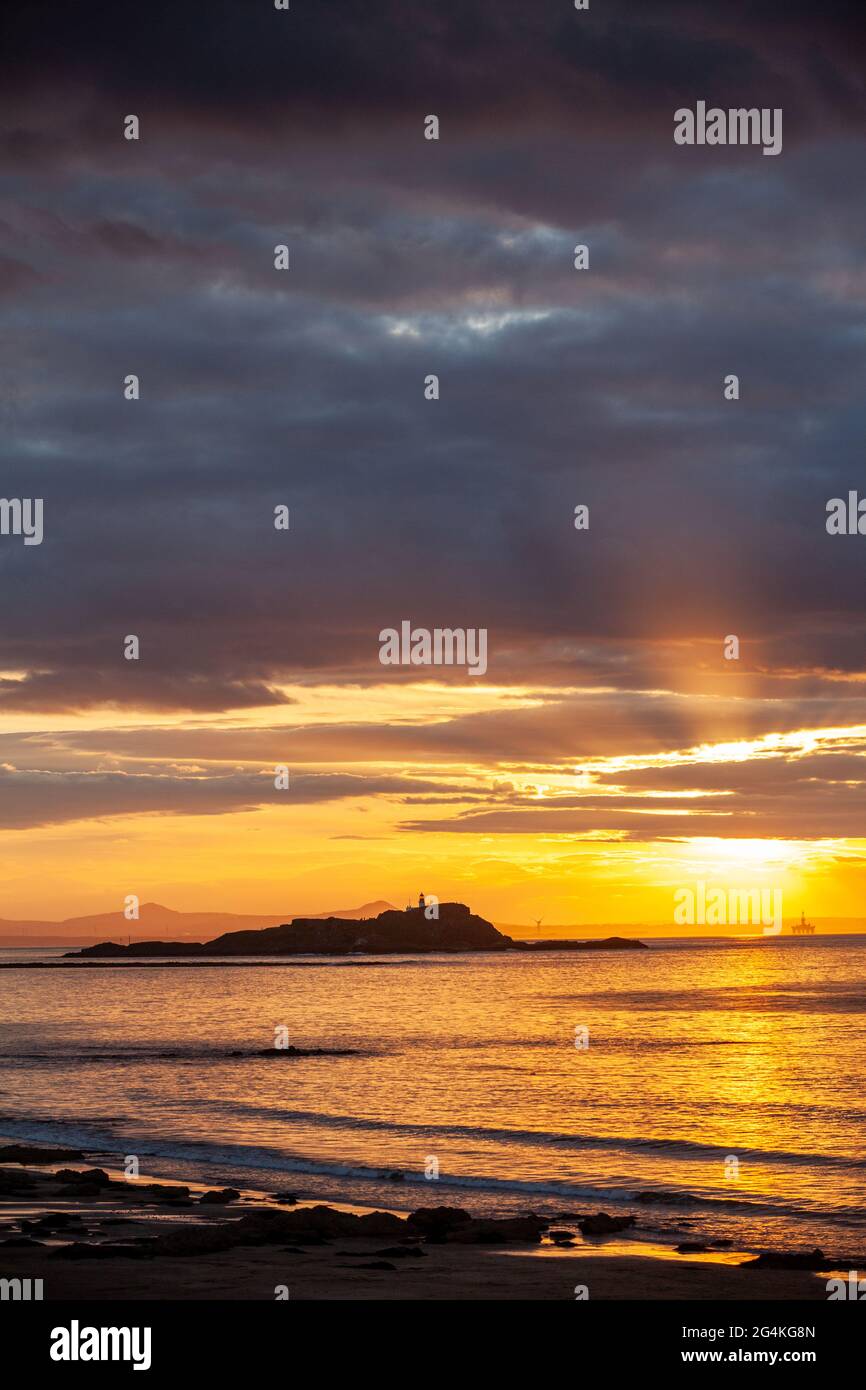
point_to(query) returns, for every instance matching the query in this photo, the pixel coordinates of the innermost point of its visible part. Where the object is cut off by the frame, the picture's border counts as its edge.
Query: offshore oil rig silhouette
(803, 928)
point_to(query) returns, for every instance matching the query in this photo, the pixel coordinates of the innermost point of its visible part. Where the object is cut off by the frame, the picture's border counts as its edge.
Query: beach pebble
(602, 1225)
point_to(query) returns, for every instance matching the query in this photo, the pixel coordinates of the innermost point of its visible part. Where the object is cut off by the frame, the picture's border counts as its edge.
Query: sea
(713, 1088)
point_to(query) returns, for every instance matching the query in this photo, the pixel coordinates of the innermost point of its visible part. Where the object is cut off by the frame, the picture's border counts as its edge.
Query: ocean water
(723, 1078)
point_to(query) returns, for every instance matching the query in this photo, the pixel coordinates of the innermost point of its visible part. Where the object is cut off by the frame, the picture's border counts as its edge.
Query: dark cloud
(408, 257)
(370, 60)
(67, 690)
(30, 798)
(556, 732)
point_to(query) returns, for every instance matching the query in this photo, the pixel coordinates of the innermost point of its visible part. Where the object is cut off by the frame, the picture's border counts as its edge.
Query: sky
(610, 754)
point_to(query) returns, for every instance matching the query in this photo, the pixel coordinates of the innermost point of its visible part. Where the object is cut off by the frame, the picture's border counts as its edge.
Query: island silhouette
(448, 927)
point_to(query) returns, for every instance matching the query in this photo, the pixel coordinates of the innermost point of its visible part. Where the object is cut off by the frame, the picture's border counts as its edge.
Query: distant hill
(154, 922)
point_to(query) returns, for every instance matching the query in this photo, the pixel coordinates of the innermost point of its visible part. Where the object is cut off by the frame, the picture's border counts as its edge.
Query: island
(416, 931)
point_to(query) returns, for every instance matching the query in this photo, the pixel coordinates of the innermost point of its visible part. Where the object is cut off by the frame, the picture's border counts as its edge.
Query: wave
(260, 1161)
(810, 1001)
(675, 1147)
(637, 1145)
(237, 1158)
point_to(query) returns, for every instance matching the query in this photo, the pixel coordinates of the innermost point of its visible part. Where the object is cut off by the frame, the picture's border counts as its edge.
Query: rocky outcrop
(438, 1225)
(308, 1225)
(289, 1052)
(499, 1231)
(317, 1226)
(29, 1153)
(455, 929)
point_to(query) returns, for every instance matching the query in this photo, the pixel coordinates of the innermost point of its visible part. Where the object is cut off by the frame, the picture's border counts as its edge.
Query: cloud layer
(305, 388)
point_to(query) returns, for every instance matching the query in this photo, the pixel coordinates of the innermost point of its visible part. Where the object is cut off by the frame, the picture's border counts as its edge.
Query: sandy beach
(98, 1236)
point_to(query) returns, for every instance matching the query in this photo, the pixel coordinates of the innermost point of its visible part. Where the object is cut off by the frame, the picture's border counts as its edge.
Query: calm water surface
(699, 1054)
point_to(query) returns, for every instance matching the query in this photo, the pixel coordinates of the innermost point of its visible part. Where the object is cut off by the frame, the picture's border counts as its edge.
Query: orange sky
(609, 839)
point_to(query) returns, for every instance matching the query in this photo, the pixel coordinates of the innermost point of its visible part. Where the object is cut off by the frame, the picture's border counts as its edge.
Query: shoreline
(126, 956)
(101, 1236)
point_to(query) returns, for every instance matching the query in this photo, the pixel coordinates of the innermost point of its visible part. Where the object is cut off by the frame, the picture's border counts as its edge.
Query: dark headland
(412, 931)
